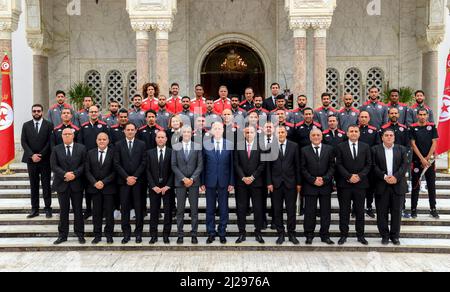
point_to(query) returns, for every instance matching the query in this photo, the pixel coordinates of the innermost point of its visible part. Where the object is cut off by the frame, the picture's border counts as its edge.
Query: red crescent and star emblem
(445, 110)
(6, 116)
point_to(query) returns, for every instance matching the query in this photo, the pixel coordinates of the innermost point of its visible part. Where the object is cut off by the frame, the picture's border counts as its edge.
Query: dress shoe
(363, 241)
(138, 239)
(180, 240)
(273, 227)
(166, 240)
(96, 240)
(264, 227)
(153, 240)
(210, 239)
(241, 239)
(194, 240)
(309, 241)
(302, 212)
(60, 240)
(434, 213)
(87, 215)
(81, 240)
(109, 240)
(280, 240)
(406, 215)
(370, 213)
(223, 240)
(342, 241)
(414, 214)
(33, 214)
(126, 239)
(395, 241)
(259, 239)
(385, 241)
(328, 241)
(49, 214)
(294, 240)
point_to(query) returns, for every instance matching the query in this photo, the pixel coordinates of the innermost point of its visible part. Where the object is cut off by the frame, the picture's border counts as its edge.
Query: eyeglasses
(37, 111)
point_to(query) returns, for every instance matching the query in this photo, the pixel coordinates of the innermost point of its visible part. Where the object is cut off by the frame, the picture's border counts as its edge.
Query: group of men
(170, 150)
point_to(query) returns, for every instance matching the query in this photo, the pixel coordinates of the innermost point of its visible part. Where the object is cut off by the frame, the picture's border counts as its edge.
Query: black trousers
(311, 213)
(40, 173)
(65, 199)
(430, 177)
(289, 197)
(266, 210)
(370, 192)
(389, 203)
(103, 205)
(130, 195)
(346, 196)
(243, 195)
(155, 209)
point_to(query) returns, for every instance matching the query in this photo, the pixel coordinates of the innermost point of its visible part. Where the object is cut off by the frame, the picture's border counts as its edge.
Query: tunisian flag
(7, 151)
(444, 119)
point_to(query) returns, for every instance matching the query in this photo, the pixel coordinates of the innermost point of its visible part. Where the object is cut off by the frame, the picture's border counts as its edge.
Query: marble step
(43, 244)
(20, 219)
(23, 231)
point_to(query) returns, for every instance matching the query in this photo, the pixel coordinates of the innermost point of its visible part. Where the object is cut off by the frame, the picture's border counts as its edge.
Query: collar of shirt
(284, 143)
(314, 146)
(104, 151)
(128, 141)
(187, 145)
(249, 144)
(163, 149)
(38, 121)
(387, 148)
(351, 144)
(70, 145)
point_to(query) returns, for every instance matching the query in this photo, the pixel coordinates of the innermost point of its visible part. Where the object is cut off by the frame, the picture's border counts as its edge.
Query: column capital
(9, 23)
(39, 44)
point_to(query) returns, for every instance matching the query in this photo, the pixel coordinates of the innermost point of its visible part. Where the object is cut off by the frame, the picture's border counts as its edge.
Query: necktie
(317, 151)
(186, 152)
(37, 128)
(268, 140)
(282, 150)
(218, 148)
(354, 151)
(161, 163)
(101, 158)
(69, 154)
(249, 150)
(130, 147)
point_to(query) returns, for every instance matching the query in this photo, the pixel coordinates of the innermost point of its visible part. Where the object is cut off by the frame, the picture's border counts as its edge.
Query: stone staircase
(424, 235)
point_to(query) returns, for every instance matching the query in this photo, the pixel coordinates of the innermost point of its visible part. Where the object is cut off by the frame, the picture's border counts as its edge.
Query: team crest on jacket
(370, 131)
(429, 128)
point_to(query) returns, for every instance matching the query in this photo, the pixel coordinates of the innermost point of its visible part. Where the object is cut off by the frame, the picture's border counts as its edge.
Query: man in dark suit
(218, 181)
(101, 187)
(160, 181)
(36, 135)
(187, 165)
(67, 162)
(283, 180)
(270, 103)
(390, 166)
(317, 167)
(249, 170)
(353, 165)
(130, 163)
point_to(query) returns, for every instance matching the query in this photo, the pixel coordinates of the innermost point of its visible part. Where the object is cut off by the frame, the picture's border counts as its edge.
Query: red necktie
(249, 150)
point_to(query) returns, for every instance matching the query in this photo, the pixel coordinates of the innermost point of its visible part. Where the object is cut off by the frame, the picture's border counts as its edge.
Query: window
(94, 81)
(115, 87)
(132, 84)
(375, 77)
(352, 85)
(333, 81)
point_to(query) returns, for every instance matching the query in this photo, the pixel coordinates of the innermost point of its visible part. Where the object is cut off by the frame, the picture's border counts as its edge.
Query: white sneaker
(423, 187)
(117, 215)
(132, 214)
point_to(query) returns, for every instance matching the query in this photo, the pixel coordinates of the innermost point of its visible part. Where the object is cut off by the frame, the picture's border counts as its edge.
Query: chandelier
(233, 63)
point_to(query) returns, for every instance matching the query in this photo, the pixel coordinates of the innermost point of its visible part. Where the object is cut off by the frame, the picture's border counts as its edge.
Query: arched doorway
(235, 65)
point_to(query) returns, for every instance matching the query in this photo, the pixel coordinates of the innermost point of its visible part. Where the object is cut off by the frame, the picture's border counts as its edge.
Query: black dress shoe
(385, 241)
(210, 239)
(194, 240)
(153, 240)
(96, 240)
(294, 240)
(241, 239)
(81, 240)
(328, 241)
(126, 240)
(395, 241)
(273, 227)
(60, 240)
(33, 214)
(109, 240)
(138, 239)
(363, 241)
(180, 240)
(87, 215)
(370, 213)
(309, 241)
(223, 240)
(49, 214)
(342, 241)
(166, 240)
(259, 239)
(280, 240)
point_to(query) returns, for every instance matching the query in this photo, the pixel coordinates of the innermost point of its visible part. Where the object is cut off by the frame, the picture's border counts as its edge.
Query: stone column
(162, 60)
(320, 63)
(40, 49)
(300, 63)
(430, 78)
(142, 58)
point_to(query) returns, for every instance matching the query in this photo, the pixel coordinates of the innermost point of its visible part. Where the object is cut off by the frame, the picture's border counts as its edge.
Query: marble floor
(222, 262)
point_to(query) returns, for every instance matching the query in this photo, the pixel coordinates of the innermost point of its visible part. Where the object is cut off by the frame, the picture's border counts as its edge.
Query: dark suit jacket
(312, 167)
(34, 143)
(400, 169)
(285, 169)
(269, 105)
(96, 172)
(153, 169)
(346, 166)
(218, 169)
(245, 167)
(127, 165)
(190, 168)
(61, 165)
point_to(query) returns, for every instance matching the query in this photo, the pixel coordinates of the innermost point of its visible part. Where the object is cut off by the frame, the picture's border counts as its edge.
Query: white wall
(22, 59)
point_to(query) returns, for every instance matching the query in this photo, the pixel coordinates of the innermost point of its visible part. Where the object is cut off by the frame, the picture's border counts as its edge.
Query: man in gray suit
(187, 165)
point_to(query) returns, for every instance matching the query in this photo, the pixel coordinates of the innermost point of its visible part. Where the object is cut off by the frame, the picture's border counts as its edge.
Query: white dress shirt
(159, 152)
(104, 154)
(71, 148)
(39, 124)
(314, 148)
(351, 148)
(218, 143)
(284, 146)
(389, 152)
(128, 143)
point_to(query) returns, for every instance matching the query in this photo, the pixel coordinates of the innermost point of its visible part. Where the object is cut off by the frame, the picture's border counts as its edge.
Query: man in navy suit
(218, 181)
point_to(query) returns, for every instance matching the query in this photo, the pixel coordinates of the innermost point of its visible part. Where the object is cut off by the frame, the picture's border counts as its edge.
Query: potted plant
(78, 92)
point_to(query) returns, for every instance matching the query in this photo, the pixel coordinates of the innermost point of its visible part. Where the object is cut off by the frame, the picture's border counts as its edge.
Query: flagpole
(7, 170)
